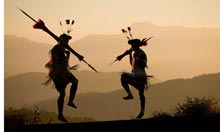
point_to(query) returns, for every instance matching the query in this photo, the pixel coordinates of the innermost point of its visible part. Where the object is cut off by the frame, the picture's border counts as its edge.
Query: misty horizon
(183, 55)
(106, 17)
(187, 52)
(53, 42)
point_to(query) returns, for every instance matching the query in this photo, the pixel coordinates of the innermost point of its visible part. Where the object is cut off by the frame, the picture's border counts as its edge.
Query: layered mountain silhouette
(23, 55)
(186, 52)
(109, 105)
(26, 89)
(174, 54)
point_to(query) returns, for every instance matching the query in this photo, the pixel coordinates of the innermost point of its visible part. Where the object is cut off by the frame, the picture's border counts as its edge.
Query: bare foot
(128, 97)
(62, 118)
(72, 105)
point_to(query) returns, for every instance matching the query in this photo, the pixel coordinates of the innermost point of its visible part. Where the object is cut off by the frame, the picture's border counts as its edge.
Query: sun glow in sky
(109, 17)
(106, 16)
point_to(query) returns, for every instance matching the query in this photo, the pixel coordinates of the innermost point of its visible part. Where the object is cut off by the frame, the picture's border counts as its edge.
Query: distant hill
(162, 96)
(24, 89)
(23, 55)
(173, 52)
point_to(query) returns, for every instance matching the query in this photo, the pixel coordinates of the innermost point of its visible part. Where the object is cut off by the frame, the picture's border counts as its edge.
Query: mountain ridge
(185, 51)
(109, 105)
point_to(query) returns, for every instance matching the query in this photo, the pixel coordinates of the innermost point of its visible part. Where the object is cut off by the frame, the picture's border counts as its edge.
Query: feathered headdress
(69, 24)
(142, 42)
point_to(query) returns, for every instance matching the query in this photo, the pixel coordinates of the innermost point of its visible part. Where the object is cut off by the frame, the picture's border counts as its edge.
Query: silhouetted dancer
(59, 64)
(59, 68)
(138, 77)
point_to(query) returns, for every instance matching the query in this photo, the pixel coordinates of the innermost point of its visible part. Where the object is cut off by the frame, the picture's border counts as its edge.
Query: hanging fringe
(47, 82)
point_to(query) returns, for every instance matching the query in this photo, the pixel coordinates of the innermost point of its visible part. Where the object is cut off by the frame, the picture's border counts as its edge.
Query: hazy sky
(106, 16)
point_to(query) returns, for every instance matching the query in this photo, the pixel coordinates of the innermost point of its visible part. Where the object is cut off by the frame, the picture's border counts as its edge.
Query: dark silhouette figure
(59, 68)
(137, 77)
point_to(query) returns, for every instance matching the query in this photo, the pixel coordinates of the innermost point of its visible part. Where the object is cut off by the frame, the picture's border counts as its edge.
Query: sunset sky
(106, 16)
(103, 16)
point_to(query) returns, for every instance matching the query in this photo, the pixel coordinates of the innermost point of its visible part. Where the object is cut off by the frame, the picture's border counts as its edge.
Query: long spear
(112, 62)
(68, 45)
(27, 15)
(90, 66)
(75, 53)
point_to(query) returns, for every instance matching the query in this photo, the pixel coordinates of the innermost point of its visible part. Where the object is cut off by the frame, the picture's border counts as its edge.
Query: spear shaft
(68, 46)
(112, 62)
(90, 66)
(76, 54)
(27, 15)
